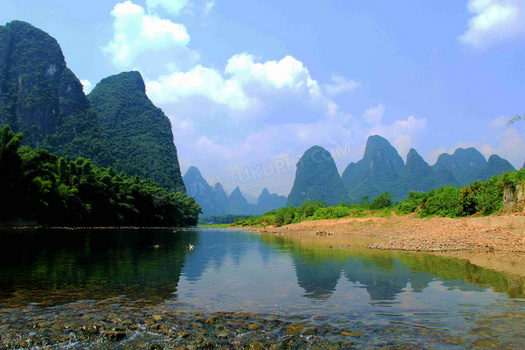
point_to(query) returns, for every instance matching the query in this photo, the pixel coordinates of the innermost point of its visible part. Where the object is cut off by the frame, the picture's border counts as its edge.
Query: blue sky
(250, 85)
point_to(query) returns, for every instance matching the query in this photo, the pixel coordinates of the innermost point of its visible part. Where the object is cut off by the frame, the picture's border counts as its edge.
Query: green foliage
(222, 219)
(445, 201)
(382, 201)
(484, 197)
(37, 185)
(138, 133)
(413, 202)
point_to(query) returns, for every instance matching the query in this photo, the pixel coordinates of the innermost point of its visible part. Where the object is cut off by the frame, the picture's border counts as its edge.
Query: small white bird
(191, 246)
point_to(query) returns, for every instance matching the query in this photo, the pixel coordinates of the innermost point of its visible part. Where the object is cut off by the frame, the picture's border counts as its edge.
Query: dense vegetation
(222, 219)
(483, 197)
(44, 100)
(138, 133)
(37, 185)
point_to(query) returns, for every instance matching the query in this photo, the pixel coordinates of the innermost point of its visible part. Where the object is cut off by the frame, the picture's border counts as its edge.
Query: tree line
(37, 185)
(479, 197)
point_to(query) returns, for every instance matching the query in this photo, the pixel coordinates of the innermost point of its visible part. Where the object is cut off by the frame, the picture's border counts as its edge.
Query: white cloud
(172, 6)
(494, 21)
(288, 73)
(136, 32)
(199, 81)
(401, 133)
(374, 115)
(245, 87)
(510, 145)
(341, 85)
(87, 86)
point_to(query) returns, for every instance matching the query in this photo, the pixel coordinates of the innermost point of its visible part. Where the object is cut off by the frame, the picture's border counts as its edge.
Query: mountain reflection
(226, 269)
(319, 280)
(211, 251)
(385, 274)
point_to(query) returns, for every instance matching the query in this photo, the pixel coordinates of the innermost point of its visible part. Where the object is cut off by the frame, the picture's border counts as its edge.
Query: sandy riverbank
(493, 242)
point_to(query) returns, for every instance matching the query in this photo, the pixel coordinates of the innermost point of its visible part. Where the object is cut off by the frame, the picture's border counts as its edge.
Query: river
(222, 288)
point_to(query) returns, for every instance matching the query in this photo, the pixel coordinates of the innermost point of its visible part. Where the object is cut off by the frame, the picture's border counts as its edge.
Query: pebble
(52, 328)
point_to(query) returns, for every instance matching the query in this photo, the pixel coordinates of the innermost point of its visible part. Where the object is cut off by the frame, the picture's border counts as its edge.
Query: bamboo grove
(38, 186)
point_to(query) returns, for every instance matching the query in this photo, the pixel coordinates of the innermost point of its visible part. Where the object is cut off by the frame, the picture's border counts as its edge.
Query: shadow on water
(59, 266)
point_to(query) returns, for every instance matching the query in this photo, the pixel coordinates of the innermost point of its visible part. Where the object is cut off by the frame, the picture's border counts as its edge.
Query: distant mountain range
(116, 126)
(214, 200)
(382, 169)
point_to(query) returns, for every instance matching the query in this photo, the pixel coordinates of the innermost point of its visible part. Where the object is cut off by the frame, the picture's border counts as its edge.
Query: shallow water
(371, 297)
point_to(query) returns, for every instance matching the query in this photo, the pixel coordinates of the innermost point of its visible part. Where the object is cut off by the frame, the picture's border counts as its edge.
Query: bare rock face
(514, 197)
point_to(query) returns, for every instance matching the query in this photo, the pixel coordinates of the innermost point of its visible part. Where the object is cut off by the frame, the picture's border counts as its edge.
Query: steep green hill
(138, 133)
(495, 166)
(43, 99)
(317, 179)
(418, 174)
(464, 164)
(380, 170)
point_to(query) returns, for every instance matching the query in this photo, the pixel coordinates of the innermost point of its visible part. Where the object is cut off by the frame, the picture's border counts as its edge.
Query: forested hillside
(138, 133)
(43, 99)
(37, 185)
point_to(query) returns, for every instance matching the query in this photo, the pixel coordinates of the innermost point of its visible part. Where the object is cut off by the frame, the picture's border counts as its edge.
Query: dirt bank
(502, 234)
(496, 243)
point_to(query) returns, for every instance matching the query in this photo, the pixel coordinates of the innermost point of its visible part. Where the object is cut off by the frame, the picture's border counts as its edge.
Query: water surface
(238, 271)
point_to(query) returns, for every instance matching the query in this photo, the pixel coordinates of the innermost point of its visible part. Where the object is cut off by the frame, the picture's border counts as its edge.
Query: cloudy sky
(250, 85)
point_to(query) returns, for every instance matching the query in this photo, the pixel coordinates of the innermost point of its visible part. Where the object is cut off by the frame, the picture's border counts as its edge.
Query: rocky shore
(119, 323)
(415, 234)
(496, 243)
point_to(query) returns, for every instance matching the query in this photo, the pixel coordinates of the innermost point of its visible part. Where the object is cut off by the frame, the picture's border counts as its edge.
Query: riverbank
(490, 234)
(493, 242)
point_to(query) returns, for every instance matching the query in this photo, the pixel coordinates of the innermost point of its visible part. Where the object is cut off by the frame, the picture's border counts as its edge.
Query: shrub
(382, 201)
(445, 201)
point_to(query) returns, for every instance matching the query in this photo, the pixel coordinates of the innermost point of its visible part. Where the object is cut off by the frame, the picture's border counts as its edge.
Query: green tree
(382, 201)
